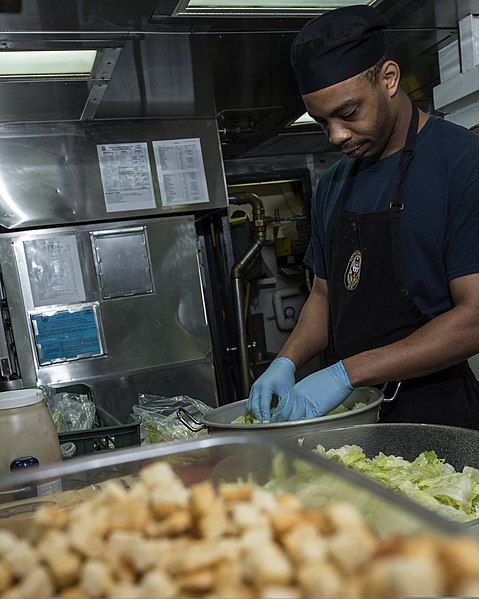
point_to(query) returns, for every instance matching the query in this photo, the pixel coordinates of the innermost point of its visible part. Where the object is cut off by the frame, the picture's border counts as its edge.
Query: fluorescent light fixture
(304, 119)
(262, 7)
(41, 64)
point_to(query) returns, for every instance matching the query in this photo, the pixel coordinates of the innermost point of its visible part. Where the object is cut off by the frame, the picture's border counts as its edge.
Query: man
(394, 244)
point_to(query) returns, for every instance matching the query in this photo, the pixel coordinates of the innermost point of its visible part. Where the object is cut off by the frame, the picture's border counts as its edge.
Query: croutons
(161, 539)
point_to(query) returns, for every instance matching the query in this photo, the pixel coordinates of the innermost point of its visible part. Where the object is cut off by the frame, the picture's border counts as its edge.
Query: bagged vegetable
(158, 417)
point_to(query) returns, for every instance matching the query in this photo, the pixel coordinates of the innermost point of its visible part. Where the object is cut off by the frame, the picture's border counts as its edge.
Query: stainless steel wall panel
(49, 172)
(142, 335)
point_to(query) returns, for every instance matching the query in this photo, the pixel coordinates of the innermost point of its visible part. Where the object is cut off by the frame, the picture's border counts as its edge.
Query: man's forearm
(442, 342)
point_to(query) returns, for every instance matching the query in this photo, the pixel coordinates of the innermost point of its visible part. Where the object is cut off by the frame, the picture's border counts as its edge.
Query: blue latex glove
(315, 395)
(278, 378)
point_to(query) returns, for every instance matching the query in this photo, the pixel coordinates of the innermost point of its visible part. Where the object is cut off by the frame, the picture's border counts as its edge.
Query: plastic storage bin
(107, 434)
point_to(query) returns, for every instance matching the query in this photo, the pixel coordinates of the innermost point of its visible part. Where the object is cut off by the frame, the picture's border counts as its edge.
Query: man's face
(355, 116)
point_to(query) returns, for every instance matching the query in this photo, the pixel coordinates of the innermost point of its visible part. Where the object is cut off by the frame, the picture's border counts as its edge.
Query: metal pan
(458, 446)
(220, 419)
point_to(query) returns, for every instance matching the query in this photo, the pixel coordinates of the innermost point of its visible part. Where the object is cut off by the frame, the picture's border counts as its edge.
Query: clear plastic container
(276, 464)
(28, 438)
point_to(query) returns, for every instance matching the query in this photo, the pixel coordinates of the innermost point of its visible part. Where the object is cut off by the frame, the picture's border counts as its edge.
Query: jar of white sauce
(28, 436)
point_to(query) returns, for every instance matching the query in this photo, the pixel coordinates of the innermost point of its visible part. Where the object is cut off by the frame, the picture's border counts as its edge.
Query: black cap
(338, 45)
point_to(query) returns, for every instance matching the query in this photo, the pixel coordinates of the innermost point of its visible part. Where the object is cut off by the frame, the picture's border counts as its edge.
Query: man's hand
(315, 395)
(278, 378)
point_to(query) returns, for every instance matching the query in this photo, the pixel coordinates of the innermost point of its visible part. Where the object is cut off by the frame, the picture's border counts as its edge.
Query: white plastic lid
(19, 398)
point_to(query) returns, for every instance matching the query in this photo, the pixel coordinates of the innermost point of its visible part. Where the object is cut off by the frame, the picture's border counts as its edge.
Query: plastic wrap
(158, 417)
(70, 411)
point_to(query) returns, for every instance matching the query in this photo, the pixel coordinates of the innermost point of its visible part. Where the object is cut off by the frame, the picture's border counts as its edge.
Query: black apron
(370, 307)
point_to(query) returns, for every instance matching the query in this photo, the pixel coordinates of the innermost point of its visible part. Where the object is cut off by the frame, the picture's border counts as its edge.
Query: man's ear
(391, 75)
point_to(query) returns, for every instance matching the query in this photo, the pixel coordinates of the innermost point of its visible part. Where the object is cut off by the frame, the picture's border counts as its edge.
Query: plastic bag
(158, 417)
(70, 411)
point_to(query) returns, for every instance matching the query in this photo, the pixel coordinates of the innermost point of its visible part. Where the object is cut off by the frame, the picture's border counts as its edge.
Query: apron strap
(406, 156)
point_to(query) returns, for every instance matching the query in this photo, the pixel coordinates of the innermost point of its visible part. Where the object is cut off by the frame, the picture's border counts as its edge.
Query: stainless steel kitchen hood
(233, 68)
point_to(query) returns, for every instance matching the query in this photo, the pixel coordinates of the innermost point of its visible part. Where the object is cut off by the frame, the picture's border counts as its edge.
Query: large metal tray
(457, 446)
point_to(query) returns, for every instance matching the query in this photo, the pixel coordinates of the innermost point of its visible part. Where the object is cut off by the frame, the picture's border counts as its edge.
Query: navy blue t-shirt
(439, 227)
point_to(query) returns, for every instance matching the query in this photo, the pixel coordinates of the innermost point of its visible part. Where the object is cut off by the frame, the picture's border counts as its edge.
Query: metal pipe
(237, 280)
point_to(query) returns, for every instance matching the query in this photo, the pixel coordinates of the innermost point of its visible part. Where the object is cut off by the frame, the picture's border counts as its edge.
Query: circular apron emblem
(353, 271)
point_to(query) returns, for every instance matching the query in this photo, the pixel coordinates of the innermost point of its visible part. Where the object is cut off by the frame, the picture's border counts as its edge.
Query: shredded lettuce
(245, 419)
(250, 419)
(428, 479)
